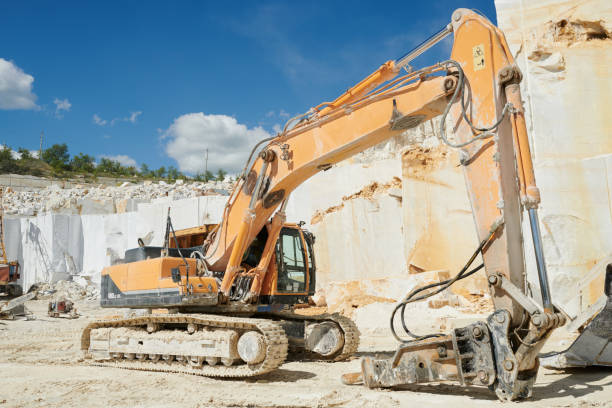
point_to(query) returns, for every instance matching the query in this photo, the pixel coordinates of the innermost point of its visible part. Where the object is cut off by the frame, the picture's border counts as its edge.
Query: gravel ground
(42, 366)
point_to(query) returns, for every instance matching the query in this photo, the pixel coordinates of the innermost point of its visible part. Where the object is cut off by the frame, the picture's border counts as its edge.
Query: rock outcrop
(564, 49)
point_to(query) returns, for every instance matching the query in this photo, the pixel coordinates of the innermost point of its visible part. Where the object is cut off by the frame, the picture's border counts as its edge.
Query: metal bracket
(510, 74)
(507, 386)
(285, 152)
(527, 303)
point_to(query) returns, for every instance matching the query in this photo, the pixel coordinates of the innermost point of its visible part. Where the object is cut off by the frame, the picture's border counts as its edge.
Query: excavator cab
(295, 262)
(291, 275)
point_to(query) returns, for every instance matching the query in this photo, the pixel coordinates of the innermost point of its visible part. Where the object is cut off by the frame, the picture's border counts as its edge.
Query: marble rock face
(564, 49)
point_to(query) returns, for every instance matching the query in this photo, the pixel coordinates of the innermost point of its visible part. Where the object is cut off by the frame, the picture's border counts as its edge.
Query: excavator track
(348, 327)
(275, 340)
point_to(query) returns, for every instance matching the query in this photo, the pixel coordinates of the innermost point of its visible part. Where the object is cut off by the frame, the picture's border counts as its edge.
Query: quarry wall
(54, 246)
(564, 49)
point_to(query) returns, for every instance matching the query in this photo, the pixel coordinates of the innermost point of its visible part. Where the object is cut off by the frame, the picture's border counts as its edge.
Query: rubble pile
(106, 199)
(69, 290)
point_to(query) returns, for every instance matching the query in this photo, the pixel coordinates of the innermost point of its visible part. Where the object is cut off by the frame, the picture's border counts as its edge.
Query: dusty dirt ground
(41, 366)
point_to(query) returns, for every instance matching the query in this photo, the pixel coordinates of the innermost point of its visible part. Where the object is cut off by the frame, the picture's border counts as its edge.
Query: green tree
(172, 173)
(83, 162)
(8, 164)
(28, 164)
(25, 154)
(160, 173)
(57, 156)
(204, 176)
(221, 175)
(144, 170)
(108, 166)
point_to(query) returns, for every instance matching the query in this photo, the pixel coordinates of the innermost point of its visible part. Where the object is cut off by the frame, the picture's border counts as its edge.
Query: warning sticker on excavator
(479, 57)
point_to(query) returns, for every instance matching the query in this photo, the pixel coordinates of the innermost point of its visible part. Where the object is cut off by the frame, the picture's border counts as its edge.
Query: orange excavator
(225, 307)
(9, 270)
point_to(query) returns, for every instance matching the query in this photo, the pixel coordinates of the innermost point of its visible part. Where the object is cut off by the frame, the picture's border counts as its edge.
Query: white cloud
(15, 87)
(133, 118)
(124, 159)
(228, 142)
(277, 128)
(61, 105)
(98, 120)
(280, 114)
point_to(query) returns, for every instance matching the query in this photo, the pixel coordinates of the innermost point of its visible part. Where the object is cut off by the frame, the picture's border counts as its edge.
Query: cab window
(291, 262)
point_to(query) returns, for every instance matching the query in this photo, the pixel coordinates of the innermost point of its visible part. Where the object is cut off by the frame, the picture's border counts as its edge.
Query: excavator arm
(291, 159)
(477, 94)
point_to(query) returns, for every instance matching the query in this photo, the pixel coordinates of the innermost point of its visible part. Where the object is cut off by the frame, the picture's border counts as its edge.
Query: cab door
(292, 264)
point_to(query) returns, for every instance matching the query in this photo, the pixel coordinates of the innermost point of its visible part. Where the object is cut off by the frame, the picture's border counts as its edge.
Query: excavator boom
(478, 87)
(477, 94)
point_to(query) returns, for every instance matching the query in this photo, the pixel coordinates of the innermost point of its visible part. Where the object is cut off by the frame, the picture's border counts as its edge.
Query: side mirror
(176, 275)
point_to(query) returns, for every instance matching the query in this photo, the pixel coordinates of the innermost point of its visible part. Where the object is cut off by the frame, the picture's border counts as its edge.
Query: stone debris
(69, 290)
(85, 198)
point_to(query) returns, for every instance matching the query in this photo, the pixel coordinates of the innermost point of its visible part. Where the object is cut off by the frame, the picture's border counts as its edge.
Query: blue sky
(166, 80)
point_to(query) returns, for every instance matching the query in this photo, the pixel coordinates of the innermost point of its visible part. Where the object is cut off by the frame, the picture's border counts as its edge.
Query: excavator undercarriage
(217, 345)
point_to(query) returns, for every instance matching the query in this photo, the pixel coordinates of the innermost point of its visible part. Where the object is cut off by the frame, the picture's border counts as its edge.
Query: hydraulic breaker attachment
(594, 345)
(464, 356)
(478, 354)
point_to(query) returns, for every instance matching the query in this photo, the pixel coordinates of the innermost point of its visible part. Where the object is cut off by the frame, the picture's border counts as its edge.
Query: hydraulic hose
(460, 88)
(411, 297)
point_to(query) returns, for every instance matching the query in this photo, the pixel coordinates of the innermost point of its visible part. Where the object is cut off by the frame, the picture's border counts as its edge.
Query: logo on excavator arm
(479, 57)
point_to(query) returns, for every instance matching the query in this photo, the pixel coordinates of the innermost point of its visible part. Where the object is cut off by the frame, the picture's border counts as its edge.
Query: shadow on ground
(283, 375)
(579, 383)
(478, 393)
(575, 383)
(375, 354)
